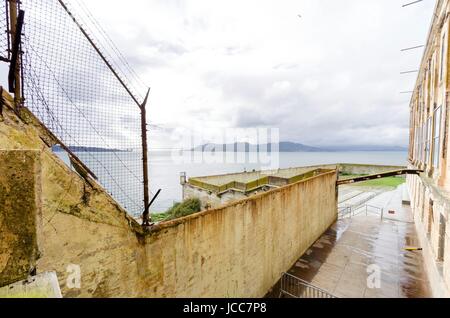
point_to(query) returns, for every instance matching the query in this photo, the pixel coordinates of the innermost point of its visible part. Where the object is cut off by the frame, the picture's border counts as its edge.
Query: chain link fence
(4, 29)
(85, 97)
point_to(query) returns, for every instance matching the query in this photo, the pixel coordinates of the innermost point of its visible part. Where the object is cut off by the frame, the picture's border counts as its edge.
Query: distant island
(58, 148)
(290, 147)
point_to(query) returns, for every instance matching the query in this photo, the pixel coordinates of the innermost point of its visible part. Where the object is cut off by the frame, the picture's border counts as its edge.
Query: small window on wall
(437, 137)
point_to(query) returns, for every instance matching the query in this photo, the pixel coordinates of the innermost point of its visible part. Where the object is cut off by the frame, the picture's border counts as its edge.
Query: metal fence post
(146, 218)
(16, 17)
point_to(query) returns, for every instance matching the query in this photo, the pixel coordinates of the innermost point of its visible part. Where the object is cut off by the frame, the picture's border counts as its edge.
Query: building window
(417, 144)
(421, 144)
(437, 137)
(443, 59)
(433, 76)
(428, 130)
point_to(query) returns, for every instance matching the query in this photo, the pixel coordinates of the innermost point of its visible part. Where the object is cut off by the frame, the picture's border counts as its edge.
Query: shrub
(178, 210)
(186, 208)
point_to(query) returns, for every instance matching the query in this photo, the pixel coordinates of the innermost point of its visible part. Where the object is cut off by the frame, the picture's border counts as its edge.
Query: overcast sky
(329, 77)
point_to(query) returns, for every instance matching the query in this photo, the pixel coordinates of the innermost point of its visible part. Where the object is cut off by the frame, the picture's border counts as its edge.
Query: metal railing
(351, 211)
(294, 287)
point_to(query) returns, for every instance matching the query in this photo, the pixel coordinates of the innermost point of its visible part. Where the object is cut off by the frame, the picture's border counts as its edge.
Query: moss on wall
(19, 195)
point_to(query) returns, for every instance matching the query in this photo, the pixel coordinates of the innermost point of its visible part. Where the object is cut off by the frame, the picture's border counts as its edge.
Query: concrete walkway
(339, 261)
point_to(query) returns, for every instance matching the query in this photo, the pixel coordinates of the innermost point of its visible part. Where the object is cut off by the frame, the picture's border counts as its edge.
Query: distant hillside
(290, 147)
(247, 147)
(296, 147)
(364, 148)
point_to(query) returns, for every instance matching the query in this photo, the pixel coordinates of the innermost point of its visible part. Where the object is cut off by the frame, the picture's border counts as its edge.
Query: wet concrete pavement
(339, 261)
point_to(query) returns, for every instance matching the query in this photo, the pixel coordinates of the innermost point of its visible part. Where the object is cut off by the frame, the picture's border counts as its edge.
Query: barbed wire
(103, 41)
(112, 45)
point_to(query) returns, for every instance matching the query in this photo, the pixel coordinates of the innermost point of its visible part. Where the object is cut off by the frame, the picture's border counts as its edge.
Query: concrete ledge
(41, 286)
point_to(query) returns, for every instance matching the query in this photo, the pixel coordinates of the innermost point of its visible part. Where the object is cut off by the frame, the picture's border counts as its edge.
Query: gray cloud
(331, 77)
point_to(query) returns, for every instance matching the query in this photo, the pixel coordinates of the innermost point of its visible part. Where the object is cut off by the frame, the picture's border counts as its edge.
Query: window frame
(443, 58)
(437, 125)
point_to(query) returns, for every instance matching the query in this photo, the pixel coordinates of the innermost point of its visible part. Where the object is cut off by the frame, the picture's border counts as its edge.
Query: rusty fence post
(146, 218)
(16, 19)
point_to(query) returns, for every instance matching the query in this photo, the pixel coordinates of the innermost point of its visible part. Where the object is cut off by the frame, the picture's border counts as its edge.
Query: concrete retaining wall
(203, 187)
(239, 250)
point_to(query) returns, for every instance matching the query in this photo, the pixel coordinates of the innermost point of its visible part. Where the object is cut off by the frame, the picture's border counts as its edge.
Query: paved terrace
(338, 261)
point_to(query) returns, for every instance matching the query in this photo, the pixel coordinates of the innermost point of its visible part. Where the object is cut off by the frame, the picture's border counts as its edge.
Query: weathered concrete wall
(239, 250)
(213, 199)
(76, 222)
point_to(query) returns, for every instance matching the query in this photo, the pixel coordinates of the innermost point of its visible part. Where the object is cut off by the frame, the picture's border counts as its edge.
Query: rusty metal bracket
(146, 220)
(2, 101)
